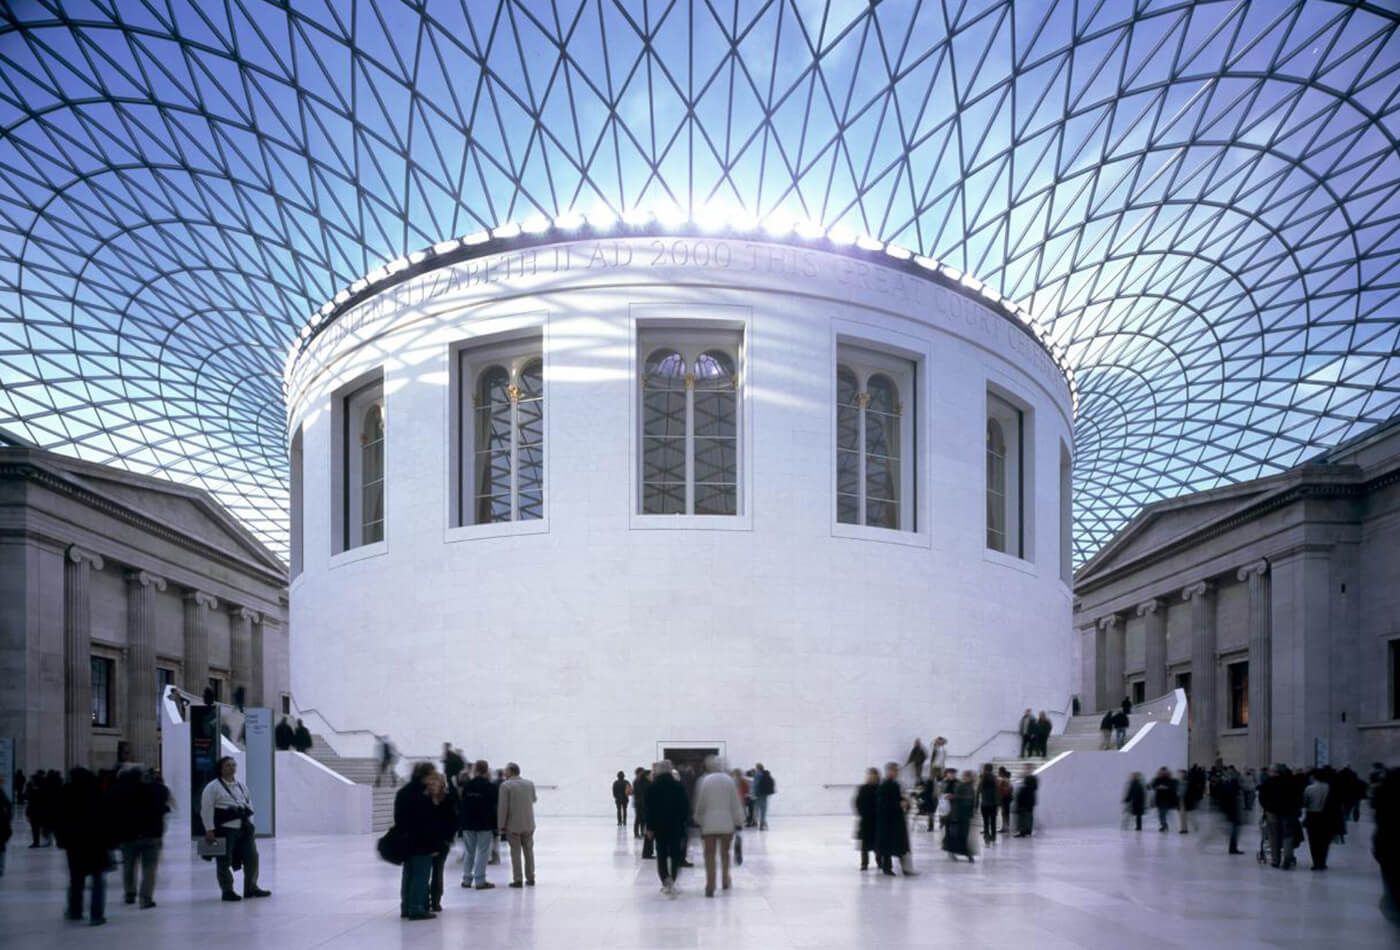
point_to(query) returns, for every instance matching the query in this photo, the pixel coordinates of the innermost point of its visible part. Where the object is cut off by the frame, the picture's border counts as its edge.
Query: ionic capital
(201, 599)
(1107, 624)
(1258, 568)
(244, 613)
(1149, 607)
(80, 555)
(145, 579)
(1198, 589)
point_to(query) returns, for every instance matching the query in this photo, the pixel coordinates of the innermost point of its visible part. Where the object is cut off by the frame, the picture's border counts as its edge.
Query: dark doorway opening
(689, 762)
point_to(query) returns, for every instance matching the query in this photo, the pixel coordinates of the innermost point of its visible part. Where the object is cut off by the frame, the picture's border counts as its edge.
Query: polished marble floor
(799, 887)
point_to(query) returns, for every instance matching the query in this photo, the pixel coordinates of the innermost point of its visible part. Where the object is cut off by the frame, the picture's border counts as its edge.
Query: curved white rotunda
(571, 497)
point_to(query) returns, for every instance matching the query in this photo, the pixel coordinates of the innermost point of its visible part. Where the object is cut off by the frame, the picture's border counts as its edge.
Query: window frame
(1024, 440)
(866, 361)
(691, 329)
(348, 405)
(1232, 721)
(109, 666)
(494, 335)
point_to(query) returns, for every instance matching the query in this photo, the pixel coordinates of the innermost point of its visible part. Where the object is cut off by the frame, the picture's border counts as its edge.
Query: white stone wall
(576, 645)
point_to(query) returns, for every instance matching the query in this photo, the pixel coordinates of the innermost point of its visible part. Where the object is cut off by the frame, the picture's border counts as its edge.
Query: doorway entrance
(689, 759)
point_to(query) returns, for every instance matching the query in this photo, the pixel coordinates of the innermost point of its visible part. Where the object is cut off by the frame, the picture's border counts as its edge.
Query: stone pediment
(182, 509)
(1164, 521)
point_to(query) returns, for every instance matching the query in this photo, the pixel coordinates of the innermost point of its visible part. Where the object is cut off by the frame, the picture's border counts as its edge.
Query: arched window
(690, 422)
(882, 453)
(848, 446)
(716, 442)
(493, 445)
(664, 434)
(874, 438)
(508, 422)
(996, 486)
(372, 475)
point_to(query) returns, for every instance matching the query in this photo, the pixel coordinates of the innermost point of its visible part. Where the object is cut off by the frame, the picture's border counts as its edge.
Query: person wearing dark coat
(139, 804)
(865, 807)
(301, 738)
(1120, 728)
(891, 829)
(620, 792)
(7, 817)
(959, 826)
(478, 817)
(1126, 706)
(1025, 804)
(1136, 799)
(84, 829)
(917, 757)
(1164, 796)
(1106, 730)
(988, 801)
(283, 735)
(444, 804)
(1043, 728)
(641, 781)
(1229, 801)
(416, 826)
(668, 816)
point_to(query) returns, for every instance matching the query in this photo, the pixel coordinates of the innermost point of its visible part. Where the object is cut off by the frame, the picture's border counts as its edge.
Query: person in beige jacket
(515, 816)
(718, 812)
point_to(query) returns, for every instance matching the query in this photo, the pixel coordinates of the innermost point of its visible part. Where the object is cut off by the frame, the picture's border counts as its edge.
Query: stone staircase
(1081, 735)
(361, 772)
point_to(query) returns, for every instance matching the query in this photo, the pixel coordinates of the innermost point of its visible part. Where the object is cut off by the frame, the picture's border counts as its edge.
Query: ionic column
(1260, 663)
(141, 590)
(259, 666)
(1203, 714)
(77, 655)
(1111, 676)
(241, 621)
(197, 607)
(1155, 646)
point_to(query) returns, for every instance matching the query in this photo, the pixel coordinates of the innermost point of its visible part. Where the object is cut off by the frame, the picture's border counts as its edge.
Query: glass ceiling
(1200, 199)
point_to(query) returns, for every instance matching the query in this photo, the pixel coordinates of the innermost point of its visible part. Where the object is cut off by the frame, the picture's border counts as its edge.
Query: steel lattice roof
(1200, 199)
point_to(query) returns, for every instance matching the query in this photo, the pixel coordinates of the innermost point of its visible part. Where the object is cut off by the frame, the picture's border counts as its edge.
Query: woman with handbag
(227, 813)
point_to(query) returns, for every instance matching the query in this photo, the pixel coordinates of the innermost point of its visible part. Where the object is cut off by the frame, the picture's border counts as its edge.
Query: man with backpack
(763, 788)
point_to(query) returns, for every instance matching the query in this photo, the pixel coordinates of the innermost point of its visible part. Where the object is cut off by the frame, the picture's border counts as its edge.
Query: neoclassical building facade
(113, 585)
(1274, 603)
(603, 495)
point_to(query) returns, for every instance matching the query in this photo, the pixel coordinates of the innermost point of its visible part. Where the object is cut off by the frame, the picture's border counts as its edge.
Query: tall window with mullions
(690, 391)
(505, 475)
(875, 472)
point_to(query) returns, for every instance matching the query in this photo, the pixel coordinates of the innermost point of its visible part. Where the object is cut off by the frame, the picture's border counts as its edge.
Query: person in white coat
(719, 813)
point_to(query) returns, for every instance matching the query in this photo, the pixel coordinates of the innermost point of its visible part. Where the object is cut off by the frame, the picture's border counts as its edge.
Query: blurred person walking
(764, 788)
(83, 829)
(1026, 730)
(641, 782)
(668, 813)
(866, 806)
(1043, 728)
(1135, 800)
(515, 815)
(1106, 730)
(444, 816)
(1025, 803)
(718, 813)
(7, 817)
(1005, 792)
(891, 827)
(1164, 796)
(1120, 727)
(917, 758)
(958, 828)
(1323, 815)
(140, 802)
(989, 802)
(419, 838)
